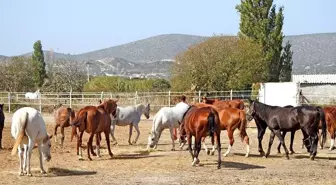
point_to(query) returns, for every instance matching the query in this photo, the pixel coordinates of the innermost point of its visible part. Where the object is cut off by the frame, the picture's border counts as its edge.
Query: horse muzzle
(47, 158)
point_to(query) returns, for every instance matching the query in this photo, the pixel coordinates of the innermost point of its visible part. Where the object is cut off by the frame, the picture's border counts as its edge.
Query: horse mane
(263, 109)
(186, 112)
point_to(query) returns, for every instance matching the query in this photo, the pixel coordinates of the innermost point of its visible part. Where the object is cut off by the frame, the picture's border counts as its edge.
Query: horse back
(330, 117)
(229, 117)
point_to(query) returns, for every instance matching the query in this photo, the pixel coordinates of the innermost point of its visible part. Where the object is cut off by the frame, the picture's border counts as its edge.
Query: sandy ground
(133, 165)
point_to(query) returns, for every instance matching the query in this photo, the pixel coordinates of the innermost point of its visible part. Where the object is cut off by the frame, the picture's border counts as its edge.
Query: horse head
(110, 106)
(250, 110)
(45, 147)
(146, 111)
(1, 107)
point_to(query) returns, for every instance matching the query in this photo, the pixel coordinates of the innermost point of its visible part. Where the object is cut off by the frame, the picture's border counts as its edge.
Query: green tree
(39, 65)
(287, 63)
(260, 22)
(219, 63)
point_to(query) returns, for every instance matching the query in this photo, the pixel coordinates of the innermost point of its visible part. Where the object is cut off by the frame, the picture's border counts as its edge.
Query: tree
(219, 63)
(287, 63)
(13, 78)
(39, 72)
(65, 75)
(260, 22)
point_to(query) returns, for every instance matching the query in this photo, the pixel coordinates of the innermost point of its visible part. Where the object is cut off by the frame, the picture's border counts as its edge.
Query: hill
(313, 54)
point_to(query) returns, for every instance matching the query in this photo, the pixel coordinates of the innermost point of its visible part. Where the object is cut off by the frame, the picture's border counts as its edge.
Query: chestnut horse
(94, 120)
(236, 103)
(200, 122)
(63, 116)
(230, 119)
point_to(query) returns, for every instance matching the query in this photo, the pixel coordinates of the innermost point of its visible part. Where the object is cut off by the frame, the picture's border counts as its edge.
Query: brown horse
(94, 120)
(2, 123)
(235, 103)
(230, 119)
(63, 116)
(200, 122)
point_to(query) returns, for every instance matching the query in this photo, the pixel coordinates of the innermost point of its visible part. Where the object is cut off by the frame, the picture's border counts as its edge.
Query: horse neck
(140, 108)
(190, 107)
(261, 110)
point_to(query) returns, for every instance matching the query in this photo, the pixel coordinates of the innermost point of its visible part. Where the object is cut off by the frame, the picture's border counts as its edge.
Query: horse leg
(29, 153)
(1, 129)
(332, 139)
(230, 135)
(279, 146)
(291, 142)
(136, 126)
(219, 150)
(98, 138)
(62, 136)
(107, 138)
(40, 158)
(79, 146)
(25, 157)
(205, 147)
(189, 137)
(212, 152)
(112, 134)
(278, 134)
(55, 132)
(89, 145)
(271, 139)
(197, 149)
(171, 129)
(130, 133)
(261, 133)
(20, 153)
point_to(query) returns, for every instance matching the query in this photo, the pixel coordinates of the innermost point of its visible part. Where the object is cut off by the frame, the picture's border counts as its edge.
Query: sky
(78, 26)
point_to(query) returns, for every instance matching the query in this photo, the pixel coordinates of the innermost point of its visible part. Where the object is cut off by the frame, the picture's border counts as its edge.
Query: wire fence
(45, 100)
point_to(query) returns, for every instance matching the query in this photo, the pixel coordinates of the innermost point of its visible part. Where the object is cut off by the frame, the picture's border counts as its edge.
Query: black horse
(2, 123)
(281, 119)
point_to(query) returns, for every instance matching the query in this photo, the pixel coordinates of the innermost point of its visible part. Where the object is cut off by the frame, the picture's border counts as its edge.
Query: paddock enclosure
(134, 165)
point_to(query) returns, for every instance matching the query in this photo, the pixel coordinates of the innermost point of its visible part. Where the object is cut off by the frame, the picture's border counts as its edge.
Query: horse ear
(100, 101)
(50, 136)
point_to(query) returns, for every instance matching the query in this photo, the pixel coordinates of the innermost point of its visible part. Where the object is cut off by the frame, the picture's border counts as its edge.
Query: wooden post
(40, 103)
(102, 96)
(231, 94)
(199, 96)
(70, 98)
(9, 102)
(169, 97)
(136, 97)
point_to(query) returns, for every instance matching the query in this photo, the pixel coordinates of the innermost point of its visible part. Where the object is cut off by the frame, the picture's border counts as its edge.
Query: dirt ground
(133, 165)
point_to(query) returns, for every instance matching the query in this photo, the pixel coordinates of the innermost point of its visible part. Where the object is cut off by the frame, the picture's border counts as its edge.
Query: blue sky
(77, 26)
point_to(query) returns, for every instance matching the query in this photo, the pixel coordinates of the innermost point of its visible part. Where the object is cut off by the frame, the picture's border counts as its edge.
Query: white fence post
(70, 98)
(199, 96)
(9, 102)
(40, 103)
(169, 98)
(102, 96)
(136, 97)
(231, 94)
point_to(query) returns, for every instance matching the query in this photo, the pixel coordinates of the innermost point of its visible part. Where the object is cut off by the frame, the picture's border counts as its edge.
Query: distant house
(317, 88)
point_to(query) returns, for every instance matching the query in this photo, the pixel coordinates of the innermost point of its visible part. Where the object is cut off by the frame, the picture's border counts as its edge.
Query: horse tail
(324, 125)
(79, 119)
(21, 134)
(213, 120)
(243, 123)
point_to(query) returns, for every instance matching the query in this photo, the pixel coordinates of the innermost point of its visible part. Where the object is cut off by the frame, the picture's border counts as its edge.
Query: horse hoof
(212, 153)
(225, 155)
(287, 157)
(173, 149)
(312, 157)
(43, 172)
(29, 175)
(133, 142)
(21, 174)
(292, 152)
(247, 155)
(94, 154)
(219, 167)
(208, 152)
(197, 161)
(80, 159)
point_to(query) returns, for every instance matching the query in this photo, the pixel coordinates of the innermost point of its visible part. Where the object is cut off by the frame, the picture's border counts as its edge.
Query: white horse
(167, 117)
(33, 96)
(130, 115)
(28, 128)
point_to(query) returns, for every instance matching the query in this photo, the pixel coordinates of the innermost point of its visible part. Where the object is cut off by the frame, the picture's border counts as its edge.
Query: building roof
(315, 78)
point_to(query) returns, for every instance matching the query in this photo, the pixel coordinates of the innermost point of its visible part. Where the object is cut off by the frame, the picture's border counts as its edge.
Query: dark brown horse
(2, 123)
(230, 119)
(94, 120)
(235, 103)
(63, 116)
(200, 122)
(279, 119)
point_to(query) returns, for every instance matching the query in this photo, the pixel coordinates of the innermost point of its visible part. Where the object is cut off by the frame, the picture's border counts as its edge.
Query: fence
(77, 100)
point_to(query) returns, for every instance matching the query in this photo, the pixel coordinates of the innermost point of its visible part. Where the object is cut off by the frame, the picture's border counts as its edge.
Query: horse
(63, 116)
(230, 119)
(201, 122)
(279, 119)
(166, 117)
(236, 103)
(130, 115)
(28, 128)
(33, 96)
(94, 120)
(2, 123)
